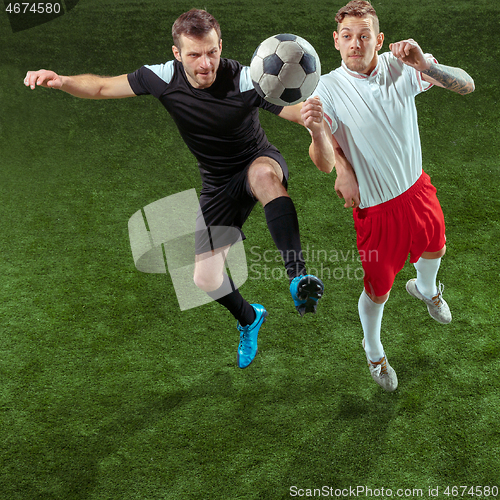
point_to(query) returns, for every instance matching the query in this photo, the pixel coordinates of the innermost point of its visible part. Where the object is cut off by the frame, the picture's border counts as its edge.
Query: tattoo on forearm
(454, 79)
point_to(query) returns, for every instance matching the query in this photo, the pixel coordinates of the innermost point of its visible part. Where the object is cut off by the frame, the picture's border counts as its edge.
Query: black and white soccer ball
(285, 69)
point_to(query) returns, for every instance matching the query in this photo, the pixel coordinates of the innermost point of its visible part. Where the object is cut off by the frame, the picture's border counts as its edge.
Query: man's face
(200, 58)
(358, 43)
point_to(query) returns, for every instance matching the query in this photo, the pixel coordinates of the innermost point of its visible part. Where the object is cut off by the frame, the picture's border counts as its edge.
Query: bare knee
(434, 255)
(209, 269)
(263, 176)
(378, 299)
(207, 281)
(265, 182)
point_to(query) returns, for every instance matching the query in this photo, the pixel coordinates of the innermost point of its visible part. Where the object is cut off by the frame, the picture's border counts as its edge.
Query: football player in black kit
(216, 108)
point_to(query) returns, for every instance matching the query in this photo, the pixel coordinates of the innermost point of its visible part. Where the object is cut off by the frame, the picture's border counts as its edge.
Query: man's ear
(177, 53)
(336, 39)
(380, 41)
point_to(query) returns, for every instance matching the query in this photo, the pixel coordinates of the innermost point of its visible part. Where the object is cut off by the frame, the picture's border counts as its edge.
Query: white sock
(370, 315)
(427, 270)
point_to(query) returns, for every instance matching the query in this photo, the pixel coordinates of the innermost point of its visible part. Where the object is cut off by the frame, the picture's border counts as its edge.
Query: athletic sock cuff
(279, 207)
(226, 288)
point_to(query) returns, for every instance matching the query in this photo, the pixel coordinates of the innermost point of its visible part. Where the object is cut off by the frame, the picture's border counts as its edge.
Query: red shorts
(411, 223)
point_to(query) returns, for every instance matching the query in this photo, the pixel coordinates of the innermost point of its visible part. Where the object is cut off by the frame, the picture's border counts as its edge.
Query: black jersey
(220, 124)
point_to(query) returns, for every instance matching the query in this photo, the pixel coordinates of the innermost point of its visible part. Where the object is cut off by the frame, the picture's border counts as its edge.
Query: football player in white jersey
(367, 107)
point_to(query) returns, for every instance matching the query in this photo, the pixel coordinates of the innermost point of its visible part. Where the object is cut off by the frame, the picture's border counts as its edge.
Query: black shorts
(225, 208)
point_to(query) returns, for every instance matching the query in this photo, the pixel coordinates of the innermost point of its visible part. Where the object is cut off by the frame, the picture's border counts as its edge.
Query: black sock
(283, 225)
(234, 303)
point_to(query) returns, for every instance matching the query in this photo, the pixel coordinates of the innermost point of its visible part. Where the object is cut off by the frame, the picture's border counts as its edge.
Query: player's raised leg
(210, 277)
(424, 287)
(265, 178)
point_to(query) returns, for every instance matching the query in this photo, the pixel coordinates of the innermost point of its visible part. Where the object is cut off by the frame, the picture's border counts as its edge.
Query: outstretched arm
(448, 77)
(292, 113)
(327, 154)
(84, 86)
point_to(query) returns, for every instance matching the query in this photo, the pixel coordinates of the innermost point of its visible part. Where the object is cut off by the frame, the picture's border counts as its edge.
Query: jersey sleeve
(250, 95)
(151, 80)
(328, 104)
(419, 85)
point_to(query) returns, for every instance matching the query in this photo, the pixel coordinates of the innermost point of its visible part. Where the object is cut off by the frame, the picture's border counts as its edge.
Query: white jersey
(374, 120)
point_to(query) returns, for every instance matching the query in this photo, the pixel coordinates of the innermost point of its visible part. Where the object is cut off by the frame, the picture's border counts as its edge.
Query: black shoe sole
(309, 289)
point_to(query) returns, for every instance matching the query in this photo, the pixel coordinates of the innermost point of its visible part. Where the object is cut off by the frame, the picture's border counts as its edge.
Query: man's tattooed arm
(454, 79)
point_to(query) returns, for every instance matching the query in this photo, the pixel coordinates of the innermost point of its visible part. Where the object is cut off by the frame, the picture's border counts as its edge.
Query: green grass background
(109, 391)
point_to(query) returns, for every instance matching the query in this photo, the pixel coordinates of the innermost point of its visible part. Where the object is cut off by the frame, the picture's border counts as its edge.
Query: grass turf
(109, 391)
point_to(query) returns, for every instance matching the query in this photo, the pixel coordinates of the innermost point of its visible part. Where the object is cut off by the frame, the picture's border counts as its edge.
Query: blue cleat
(306, 290)
(247, 348)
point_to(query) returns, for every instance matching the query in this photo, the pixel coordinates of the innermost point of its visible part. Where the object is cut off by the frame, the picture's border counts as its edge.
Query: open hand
(43, 78)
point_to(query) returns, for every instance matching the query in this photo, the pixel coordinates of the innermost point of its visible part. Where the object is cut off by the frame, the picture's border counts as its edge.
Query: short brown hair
(358, 8)
(194, 23)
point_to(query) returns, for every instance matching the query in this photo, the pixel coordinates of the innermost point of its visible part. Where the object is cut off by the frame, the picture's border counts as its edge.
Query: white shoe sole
(437, 306)
(388, 380)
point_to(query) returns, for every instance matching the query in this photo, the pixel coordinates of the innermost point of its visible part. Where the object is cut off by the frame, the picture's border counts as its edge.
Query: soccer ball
(285, 69)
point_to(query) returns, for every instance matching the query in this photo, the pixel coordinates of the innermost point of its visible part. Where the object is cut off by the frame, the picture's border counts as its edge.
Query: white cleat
(437, 306)
(382, 372)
